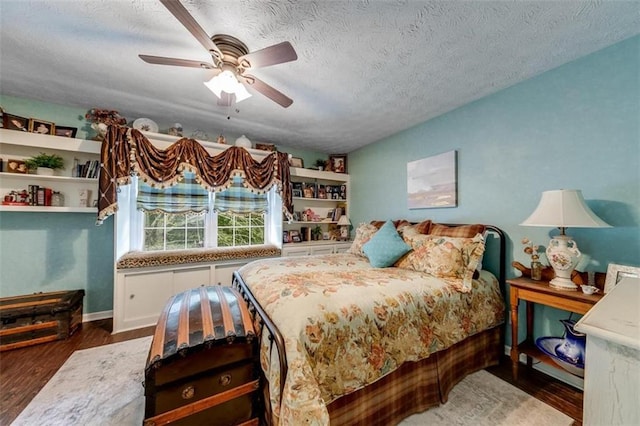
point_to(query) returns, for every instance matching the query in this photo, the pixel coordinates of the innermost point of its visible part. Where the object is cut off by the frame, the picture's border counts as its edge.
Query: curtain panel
(126, 152)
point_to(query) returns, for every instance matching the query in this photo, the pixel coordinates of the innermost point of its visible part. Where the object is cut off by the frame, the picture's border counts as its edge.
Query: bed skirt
(417, 386)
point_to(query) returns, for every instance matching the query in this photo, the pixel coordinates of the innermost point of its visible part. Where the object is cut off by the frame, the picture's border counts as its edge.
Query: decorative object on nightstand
(563, 208)
(344, 224)
(567, 351)
(536, 266)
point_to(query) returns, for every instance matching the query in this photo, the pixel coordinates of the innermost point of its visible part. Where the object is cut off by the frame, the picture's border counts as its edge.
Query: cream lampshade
(344, 224)
(563, 208)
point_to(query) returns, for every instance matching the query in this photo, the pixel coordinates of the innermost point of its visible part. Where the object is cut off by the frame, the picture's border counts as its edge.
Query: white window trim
(130, 221)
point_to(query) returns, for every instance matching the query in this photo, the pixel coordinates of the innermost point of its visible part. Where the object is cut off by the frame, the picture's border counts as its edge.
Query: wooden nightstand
(540, 292)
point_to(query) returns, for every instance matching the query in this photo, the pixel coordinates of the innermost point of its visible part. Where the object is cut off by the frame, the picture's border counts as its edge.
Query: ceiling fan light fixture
(226, 81)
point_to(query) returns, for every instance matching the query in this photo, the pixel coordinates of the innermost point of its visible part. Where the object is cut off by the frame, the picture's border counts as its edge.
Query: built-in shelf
(48, 209)
(23, 176)
(56, 143)
(330, 200)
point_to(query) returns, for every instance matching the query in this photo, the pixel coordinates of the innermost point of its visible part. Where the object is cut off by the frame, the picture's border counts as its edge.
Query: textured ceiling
(365, 69)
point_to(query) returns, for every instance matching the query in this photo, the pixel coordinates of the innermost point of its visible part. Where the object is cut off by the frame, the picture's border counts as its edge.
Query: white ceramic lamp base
(563, 255)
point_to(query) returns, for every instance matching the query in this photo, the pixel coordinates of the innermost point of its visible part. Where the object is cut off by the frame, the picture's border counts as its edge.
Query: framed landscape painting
(432, 182)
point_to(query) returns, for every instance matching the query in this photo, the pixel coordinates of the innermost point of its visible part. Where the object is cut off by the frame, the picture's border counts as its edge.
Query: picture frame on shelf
(285, 236)
(262, 146)
(322, 192)
(295, 236)
(296, 162)
(338, 163)
(297, 193)
(616, 273)
(15, 122)
(66, 132)
(17, 166)
(42, 127)
(309, 191)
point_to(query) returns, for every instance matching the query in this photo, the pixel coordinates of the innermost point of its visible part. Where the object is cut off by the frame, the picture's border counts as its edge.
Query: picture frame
(296, 162)
(262, 146)
(66, 132)
(295, 236)
(42, 127)
(432, 182)
(296, 193)
(338, 163)
(616, 273)
(17, 166)
(15, 122)
(285, 236)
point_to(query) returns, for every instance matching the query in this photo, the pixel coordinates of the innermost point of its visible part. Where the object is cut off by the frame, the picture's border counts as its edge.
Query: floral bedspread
(347, 324)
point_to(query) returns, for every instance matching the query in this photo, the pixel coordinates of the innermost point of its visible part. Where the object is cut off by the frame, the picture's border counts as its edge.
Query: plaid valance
(186, 196)
(238, 199)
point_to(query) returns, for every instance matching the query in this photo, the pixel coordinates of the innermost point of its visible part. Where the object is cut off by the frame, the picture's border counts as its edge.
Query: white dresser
(612, 360)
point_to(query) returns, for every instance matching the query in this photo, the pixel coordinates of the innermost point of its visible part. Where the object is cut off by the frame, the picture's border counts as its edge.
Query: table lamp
(344, 224)
(563, 208)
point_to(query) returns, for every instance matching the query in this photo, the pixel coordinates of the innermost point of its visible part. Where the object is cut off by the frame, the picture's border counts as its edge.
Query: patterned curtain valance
(186, 197)
(126, 152)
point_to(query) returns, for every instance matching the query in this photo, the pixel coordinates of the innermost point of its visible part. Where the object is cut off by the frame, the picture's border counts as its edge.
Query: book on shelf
(87, 170)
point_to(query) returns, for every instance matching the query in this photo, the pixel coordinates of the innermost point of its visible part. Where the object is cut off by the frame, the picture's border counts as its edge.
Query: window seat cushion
(140, 259)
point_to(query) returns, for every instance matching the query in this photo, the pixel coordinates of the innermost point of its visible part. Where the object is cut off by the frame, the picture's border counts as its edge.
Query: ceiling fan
(231, 60)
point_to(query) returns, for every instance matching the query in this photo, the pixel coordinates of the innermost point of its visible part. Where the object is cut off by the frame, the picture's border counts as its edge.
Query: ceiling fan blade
(272, 55)
(226, 99)
(162, 60)
(267, 90)
(185, 18)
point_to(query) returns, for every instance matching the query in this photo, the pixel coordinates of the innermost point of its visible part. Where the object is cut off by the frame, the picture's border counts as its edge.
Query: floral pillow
(443, 257)
(364, 232)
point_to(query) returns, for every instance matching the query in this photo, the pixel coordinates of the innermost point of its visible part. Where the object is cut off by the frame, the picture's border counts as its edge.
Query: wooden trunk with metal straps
(203, 365)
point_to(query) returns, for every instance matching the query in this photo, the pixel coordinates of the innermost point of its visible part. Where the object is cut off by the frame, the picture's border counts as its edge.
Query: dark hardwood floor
(23, 372)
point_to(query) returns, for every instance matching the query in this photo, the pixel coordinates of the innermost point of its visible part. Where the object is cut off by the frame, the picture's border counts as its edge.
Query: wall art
(432, 181)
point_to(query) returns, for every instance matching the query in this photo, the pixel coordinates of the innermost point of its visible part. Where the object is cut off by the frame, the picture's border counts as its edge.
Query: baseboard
(556, 373)
(94, 316)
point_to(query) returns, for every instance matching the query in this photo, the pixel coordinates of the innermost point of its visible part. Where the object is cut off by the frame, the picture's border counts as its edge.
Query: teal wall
(57, 251)
(60, 251)
(574, 127)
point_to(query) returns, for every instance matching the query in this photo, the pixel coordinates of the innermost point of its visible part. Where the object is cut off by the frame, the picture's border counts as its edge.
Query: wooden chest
(203, 365)
(39, 318)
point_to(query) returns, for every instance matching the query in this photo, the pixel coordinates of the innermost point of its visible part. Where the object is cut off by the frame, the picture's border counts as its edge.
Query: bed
(344, 342)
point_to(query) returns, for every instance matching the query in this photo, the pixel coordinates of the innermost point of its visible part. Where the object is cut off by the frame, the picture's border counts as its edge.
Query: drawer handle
(225, 380)
(188, 392)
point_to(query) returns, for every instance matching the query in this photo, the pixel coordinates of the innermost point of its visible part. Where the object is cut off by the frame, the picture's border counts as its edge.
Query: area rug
(103, 386)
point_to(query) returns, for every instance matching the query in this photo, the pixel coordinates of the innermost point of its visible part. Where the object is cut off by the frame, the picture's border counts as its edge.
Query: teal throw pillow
(385, 247)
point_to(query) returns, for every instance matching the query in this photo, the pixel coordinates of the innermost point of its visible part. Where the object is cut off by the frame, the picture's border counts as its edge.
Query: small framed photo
(265, 146)
(42, 127)
(66, 132)
(338, 163)
(296, 162)
(617, 273)
(16, 166)
(285, 236)
(322, 192)
(295, 236)
(297, 193)
(15, 122)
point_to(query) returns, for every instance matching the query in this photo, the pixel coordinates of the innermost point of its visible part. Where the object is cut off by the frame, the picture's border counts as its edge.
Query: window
(235, 230)
(159, 229)
(173, 231)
